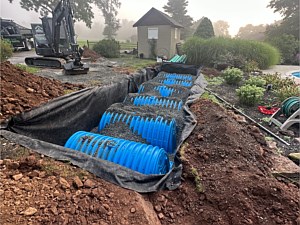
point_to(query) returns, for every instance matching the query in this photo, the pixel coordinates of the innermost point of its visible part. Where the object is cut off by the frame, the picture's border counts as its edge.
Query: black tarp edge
(19, 133)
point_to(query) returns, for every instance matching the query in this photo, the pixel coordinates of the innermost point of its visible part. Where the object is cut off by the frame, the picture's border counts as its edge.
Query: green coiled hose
(290, 105)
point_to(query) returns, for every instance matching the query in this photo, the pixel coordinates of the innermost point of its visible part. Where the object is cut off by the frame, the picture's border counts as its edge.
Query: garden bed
(228, 92)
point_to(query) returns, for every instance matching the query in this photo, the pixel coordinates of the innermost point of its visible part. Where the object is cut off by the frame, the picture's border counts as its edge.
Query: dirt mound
(38, 190)
(227, 177)
(89, 53)
(21, 91)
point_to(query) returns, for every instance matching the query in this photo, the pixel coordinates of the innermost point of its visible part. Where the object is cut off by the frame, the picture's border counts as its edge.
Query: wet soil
(227, 179)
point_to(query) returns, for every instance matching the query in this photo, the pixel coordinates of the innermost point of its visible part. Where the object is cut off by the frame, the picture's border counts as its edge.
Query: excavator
(55, 42)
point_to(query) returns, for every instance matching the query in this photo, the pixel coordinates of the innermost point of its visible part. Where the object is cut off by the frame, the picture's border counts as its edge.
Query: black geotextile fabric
(46, 129)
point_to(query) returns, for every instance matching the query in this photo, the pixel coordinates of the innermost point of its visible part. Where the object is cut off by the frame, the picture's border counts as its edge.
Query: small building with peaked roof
(158, 34)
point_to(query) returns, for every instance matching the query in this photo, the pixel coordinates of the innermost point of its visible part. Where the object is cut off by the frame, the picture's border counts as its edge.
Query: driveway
(19, 57)
(284, 70)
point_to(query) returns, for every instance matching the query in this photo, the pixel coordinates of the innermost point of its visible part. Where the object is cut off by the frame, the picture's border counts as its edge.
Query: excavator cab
(55, 41)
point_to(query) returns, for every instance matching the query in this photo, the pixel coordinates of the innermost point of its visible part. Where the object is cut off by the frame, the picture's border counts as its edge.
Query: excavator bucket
(71, 69)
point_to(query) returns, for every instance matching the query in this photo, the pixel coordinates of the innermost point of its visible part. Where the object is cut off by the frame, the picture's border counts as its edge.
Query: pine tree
(205, 29)
(177, 10)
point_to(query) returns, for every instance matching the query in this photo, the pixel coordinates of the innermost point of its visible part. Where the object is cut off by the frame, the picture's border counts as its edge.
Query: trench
(127, 133)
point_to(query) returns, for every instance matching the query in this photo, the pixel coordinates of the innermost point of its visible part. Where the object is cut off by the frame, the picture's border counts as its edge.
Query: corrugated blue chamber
(157, 131)
(166, 91)
(176, 76)
(153, 100)
(170, 81)
(142, 158)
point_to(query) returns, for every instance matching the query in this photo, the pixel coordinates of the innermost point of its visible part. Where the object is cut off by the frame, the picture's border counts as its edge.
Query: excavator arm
(57, 39)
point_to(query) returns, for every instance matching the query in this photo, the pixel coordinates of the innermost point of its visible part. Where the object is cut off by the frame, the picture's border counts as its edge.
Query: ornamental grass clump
(249, 95)
(232, 76)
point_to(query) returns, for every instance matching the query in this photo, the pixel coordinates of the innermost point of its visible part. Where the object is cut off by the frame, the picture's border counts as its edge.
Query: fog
(237, 13)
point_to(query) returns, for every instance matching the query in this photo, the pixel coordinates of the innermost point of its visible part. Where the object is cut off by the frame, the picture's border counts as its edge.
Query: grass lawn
(132, 62)
(123, 45)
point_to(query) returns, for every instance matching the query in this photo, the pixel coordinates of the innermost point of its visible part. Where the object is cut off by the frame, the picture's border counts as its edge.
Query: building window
(152, 33)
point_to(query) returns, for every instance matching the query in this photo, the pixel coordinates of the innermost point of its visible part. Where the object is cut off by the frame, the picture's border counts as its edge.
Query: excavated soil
(21, 91)
(227, 178)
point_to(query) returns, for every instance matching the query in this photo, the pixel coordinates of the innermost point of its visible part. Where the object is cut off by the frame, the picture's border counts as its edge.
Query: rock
(161, 216)
(172, 215)
(110, 195)
(89, 183)
(1, 162)
(161, 198)
(54, 210)
(157, 208)
(30, 90)
(17, 176)
(13, 165)
(29, 211)
(132, 210)
(1, 192)
(240, 119)
(98, 193)
(298, 220)
(64, 183)
(6, 161)
(77, 182)
(44, 94)
(200, 137)
(34, 173)
(106, 206)
(297, 140)
(272, 144)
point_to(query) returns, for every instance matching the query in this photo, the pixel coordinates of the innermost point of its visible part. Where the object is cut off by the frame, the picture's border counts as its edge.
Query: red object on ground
(267, 110)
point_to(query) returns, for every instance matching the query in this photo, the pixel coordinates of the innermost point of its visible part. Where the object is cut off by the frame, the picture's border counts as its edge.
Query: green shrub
(235, 52)
(256, 81)
(277, 81)
(287, 91)
(6, 50)
(232, 75)
(250, 95)
(250, 66)
(108, 48)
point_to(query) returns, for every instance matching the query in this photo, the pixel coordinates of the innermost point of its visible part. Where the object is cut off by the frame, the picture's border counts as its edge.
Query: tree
(126, 30)
(289, 9)
(288, 47)
(177, 10)
(109, 11)
(205, 29)
(82, 8)
(251, 32)
(221, 28)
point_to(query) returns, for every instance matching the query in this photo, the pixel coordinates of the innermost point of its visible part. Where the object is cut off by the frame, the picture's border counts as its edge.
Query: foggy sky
(237, 13)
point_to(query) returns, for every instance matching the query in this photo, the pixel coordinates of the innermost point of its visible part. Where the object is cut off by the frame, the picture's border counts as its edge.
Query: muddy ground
(228, 178)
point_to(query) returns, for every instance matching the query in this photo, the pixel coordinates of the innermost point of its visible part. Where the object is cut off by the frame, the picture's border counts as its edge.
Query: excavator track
(45, 62)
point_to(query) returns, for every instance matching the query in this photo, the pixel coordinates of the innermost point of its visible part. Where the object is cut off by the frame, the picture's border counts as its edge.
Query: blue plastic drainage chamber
(141, 133)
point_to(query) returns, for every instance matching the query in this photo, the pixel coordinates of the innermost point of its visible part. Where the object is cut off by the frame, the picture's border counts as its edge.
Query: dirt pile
(37, 190)
(89, 53)
(227, 179)
(21, 91)
(227, 176)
